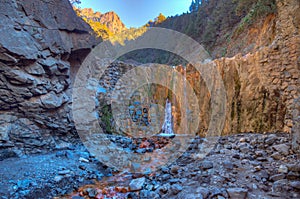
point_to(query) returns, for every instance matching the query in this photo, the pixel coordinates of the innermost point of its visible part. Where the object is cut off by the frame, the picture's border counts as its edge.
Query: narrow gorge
(42, 47)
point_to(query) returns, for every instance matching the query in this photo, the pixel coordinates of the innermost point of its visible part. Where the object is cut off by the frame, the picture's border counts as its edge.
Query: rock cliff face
(110, 19)
(41, 45)
(262, 87)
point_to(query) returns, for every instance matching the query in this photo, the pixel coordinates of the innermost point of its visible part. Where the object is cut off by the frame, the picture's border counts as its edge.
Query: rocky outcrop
(261, 87)
(41, 45)
(110, 19)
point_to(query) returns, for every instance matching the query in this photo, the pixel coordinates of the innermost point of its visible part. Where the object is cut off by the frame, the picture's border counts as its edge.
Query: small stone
(174, 169)
(92, 192)
(293, 175)
(144, 194)
(206, 165)
(244, 147)
(280, 185)
(295, 184)
(228, 165)
(277, 177)
(140, 151)
(276, 156)
(271, 139)
(283, 169)
(164, 189)
(165, 169)
(58, 178)
(236, 156)
(176, 188)
(24, 184)
(137, 184)
(294, 167)
(215, 192)
(239, 193)
(60, 154)
(64, 172)
(282, 149)
(81, 159)
(203, 191)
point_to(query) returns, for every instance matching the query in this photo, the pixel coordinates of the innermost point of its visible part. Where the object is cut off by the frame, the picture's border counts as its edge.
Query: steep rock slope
(110, 19)
(41, 45)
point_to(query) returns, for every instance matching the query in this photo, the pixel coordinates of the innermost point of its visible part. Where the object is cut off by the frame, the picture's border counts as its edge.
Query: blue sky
(135, 13)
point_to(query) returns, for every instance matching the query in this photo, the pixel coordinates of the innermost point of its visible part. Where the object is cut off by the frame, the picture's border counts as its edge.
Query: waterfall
(167, 127)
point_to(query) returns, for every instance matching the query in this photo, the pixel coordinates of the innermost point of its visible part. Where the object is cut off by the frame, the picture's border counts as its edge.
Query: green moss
(107, 118)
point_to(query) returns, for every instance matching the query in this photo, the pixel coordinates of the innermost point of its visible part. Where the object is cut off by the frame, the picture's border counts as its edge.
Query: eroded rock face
(41, 45)
(261, 87)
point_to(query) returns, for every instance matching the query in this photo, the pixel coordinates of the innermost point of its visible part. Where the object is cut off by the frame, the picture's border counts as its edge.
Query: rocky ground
(240, 166)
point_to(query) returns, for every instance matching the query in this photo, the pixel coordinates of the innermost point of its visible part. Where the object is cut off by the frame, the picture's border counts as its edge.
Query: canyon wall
(41, 45)
(262, 87)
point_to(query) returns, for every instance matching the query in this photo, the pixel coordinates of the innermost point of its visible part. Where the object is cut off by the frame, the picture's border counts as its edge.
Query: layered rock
(41, 45)
(261, 87)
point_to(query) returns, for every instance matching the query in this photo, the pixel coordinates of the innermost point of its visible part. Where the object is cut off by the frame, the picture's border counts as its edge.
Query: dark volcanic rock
(41, 44)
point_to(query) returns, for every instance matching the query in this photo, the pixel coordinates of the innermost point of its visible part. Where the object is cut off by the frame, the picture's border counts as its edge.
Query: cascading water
(167, 127)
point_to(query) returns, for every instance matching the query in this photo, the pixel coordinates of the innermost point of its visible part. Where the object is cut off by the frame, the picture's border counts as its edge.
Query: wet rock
(237, 193)
(137, 184)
